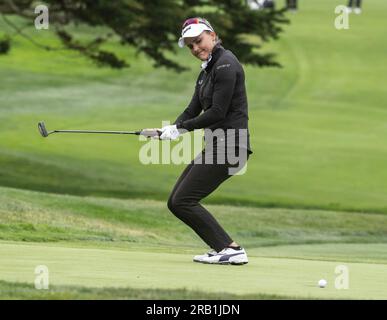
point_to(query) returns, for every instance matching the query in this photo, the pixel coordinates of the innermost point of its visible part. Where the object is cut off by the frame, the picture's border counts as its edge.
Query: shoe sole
(238, 263)
(197, 261)
(234, 263)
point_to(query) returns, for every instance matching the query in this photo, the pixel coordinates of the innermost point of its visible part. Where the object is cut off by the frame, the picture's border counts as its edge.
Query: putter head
(42, 129)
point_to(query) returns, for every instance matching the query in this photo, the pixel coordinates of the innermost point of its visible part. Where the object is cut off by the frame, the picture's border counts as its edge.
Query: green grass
(35, 216)
(101, 248)
(19, 291)
(175, 272)
(313, 198)
(317, 125)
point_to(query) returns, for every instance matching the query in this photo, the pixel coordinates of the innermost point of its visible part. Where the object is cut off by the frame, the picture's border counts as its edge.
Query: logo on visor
(188, 28)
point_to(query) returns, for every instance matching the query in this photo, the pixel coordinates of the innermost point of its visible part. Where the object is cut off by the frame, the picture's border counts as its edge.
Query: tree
(153, 26)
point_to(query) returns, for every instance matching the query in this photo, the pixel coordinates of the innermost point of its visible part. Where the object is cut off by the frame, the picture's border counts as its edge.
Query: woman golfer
(219, 106)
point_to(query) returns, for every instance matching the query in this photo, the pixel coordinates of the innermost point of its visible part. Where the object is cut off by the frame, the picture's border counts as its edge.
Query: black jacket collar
(216, 53)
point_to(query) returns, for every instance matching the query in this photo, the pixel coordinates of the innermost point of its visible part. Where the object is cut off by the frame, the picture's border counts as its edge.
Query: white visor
(192, 30)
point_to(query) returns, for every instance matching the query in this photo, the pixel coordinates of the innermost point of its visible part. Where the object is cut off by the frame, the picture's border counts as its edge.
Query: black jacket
(220, 93)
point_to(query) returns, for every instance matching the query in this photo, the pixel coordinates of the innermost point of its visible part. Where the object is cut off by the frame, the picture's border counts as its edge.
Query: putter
(146, 132)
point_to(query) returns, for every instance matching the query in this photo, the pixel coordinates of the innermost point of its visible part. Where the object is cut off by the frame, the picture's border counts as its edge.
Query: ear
(213, 36)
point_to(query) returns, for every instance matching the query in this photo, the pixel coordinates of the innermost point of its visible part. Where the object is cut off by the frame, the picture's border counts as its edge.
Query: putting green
(145, 269)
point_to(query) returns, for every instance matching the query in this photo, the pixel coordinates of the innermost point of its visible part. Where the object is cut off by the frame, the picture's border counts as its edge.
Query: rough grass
(42, 217)
(24, 291)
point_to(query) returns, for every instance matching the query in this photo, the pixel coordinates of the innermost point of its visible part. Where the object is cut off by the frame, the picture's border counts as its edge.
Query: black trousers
(195, 183)
(351, 2)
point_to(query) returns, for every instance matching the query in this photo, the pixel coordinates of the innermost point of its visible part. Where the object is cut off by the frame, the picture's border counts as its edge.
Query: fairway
(314, 197)
(281, 277)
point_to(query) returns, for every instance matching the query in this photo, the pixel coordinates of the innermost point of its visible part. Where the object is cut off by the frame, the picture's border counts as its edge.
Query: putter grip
(150, 133)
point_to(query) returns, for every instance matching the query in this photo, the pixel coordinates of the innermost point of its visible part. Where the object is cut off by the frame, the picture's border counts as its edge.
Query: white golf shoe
(357, 10)
(199, 258)
(226, 256)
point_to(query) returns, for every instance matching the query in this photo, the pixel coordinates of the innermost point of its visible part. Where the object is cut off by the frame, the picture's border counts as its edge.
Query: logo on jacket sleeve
(223, 66)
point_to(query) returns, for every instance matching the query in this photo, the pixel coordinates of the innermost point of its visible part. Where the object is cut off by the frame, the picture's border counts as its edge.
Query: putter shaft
(94, 131)
(147, 133)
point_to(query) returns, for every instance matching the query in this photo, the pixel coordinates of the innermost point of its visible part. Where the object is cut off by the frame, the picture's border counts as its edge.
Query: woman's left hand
(169, 133)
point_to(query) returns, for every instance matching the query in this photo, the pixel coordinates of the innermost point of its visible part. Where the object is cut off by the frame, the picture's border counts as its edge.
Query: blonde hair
(217, 39)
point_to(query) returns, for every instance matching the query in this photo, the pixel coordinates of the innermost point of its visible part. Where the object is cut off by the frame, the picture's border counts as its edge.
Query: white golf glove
(169, 132)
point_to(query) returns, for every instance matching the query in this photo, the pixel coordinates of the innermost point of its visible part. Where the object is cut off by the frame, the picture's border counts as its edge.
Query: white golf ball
(322, 283)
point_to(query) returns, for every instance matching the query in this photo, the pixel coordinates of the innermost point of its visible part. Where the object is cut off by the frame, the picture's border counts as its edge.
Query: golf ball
(322, 283)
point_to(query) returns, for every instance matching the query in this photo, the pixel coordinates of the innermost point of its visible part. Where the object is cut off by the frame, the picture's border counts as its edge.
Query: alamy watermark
(342, 278)
(221, 147)
(42, 280)
(342, 20)
(42, 20)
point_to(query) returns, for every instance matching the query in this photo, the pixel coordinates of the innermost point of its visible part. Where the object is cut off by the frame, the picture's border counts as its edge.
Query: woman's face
(202, 45)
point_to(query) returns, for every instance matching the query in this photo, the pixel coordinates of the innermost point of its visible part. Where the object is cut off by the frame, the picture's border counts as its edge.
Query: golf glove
(169, 132)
